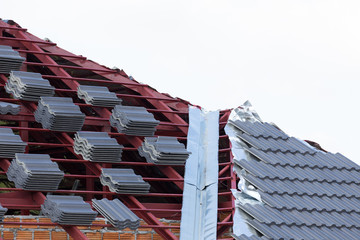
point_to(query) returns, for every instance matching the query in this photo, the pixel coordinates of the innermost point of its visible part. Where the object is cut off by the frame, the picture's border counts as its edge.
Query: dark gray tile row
(59, 114)
(116, 213)
(305, 232)
(317, 160)
(133, 121)
(163, 150)
(312, 203)
(97, 147)
(258, 129)
(291, 145)
(268, 215)
(253, 237)
(98, 96)
(34, 172)
(267, 171)
(10, 143)
(296, 187)
(68, 210)
(10, 59)
(123, 181)
(6, 108)
(28, 86)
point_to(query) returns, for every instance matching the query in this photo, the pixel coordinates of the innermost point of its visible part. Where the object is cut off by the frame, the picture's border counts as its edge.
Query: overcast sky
(298, 62)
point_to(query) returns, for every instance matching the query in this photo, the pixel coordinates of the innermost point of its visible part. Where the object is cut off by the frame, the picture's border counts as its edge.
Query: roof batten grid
(158, 101)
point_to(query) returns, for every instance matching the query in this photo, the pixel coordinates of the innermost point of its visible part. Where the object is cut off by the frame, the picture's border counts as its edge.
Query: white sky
(298, 62)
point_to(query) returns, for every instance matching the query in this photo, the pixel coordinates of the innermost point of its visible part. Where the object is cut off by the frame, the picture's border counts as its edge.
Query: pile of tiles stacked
(97, 147)
(28, 86)
(133, 121)
(68, 210)
(6, 108)
(98, 96)
(163, 150)
(123, 181)
(10, 59)
(34, 172)
(10, 143)
(305, 193)
(2, 212)
(116, 213)
(59, 114)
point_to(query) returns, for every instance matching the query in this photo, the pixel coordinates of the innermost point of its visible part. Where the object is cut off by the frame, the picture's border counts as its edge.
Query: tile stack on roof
(306, 194)
(59, 114)
(123, 181)
(68, 210)
(2, 212)
(6, 108)
(28, 86)
(133, 121)
(163, 150)
(98, 96)
(10, 143)
(9, 59)
(97, 147)
(34, 172)
(117, 213)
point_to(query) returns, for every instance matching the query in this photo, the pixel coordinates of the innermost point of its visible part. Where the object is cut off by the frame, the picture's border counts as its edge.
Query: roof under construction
(101, 141)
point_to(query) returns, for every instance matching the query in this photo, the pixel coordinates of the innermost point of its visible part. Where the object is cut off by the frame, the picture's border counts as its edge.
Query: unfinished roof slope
(66, 71)
(305, 193)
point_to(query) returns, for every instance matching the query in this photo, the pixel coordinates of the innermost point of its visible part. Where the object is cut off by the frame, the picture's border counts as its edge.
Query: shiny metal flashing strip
(200, 197)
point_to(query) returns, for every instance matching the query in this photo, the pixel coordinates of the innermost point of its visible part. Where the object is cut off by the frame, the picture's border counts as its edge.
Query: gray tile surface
(306, 193)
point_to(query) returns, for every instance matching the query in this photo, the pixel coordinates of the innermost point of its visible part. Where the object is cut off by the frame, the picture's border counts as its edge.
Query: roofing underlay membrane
(264, 184)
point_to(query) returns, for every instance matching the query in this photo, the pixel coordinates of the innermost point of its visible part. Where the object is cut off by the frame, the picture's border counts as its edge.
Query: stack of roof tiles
(59, 114)
(28, 86)
(34, 172)
(9, 59)
(6, 108)
(10, 143)
(305, 193)
(68, 210)
(123, 181)
(116, 213)
(97, 147)
(2, 212)
(133, 121)
(163, 150)
(98, 96)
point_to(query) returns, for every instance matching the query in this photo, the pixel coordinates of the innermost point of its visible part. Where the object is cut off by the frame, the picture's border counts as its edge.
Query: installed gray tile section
(116, 213)
(97, 147)
(133, 121)
(59, 114)
(68, 210)
(9, 59)
(123, 181)
(257, 129)
(307, 194)
(34, 172)
(6, 108)
(163, 150)
(98, 96)
(10, 143)
(28, 86)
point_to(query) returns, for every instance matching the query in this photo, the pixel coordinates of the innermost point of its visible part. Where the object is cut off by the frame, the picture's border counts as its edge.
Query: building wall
(36, 232)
